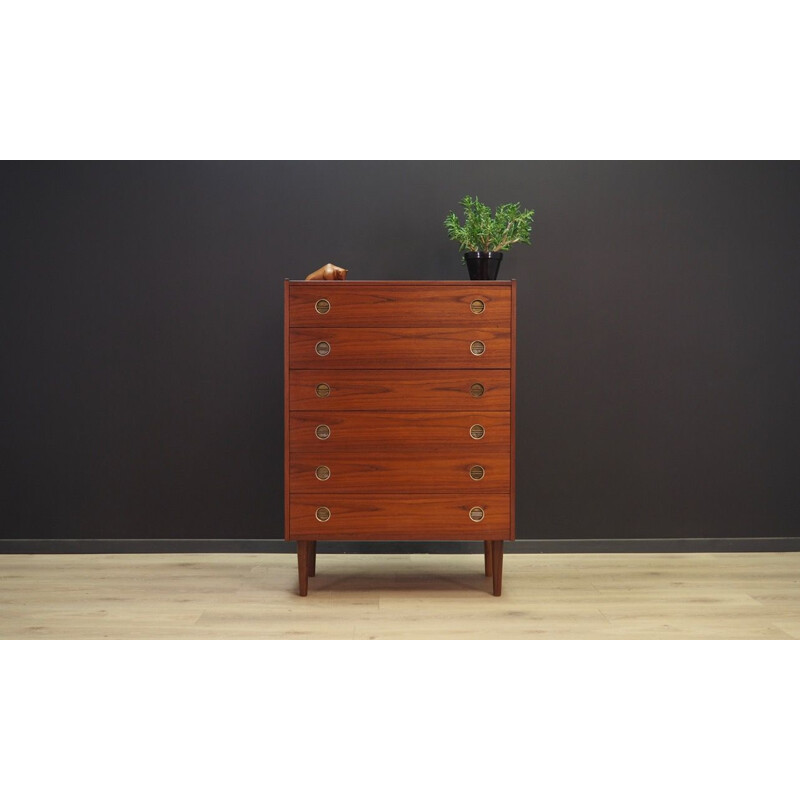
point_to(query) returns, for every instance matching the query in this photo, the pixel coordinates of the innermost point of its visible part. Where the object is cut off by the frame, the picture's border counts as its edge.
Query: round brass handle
(322, 432)
(322, 348)
(477, 348)
(477, 306)
(477, 472)
(477, 431)
(323, 513)
(322, 473)
(476, 513)
(477, 389)
(322, 306)
(322, 390)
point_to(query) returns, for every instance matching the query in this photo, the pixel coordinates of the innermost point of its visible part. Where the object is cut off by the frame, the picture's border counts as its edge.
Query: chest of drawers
(399, 414)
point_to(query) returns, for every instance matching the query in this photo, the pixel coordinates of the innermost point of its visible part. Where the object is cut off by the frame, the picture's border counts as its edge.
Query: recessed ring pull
(323, 473)
(476, 513)
(477, 432)
(322, 390)
(477, 472)
(477, 389)
(477, 306)
(322, 432)
(323, 513)
(322, 306)
(322, 348)
(477, 348)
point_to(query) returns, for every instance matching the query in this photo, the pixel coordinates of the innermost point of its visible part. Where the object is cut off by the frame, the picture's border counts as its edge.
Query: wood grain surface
(403, 472)
(399, 348)
(387, 370)
(371, 304)
(381, 432)
(390, 517)
(512, 510)
(287, 518)
(399, 390)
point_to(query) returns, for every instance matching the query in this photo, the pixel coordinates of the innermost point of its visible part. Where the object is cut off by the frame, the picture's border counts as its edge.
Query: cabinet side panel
(512, 529)
(286, 487)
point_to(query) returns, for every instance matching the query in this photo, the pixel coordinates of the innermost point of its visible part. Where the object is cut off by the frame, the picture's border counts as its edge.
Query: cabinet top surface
(349, 282)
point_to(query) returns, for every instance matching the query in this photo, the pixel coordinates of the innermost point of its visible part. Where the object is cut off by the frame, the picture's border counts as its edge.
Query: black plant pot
(483, 266)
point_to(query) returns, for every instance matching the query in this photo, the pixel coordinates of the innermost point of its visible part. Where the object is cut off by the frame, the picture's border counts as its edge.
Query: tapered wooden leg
(497, 567)
(312, 559)
(487, 558)
(302, 567)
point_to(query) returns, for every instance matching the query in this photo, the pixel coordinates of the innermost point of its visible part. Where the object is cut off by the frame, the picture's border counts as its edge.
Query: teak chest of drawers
(399, 414)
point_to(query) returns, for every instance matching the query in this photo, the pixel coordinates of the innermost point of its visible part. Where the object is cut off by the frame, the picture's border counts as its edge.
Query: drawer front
(328, 304)
(400, 390)
(411, 348)
(378, 432)
(369, 517)
(398, 472)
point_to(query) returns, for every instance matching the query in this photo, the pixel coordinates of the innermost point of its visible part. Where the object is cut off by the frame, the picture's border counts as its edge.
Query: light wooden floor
(253, 596)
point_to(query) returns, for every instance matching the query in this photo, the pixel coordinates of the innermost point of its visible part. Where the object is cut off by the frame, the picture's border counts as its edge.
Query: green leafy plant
(482, 232)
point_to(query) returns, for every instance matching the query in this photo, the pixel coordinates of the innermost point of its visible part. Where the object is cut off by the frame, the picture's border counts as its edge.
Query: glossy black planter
(483, 266)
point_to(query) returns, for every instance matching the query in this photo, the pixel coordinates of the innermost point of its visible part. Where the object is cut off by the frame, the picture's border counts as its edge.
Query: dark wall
(659, 337)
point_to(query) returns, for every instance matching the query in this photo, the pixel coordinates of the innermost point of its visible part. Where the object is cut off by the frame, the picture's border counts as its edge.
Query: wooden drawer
(381, 474)
(400, 390)
(410, 348)
(372, 304)
(372, 517)
(381, 432)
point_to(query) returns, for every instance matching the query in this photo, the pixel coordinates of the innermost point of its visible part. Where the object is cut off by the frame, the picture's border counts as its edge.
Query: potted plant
(485, 237)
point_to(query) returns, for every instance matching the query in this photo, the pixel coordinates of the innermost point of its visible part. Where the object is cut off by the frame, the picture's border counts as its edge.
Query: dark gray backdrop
(659, 340)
